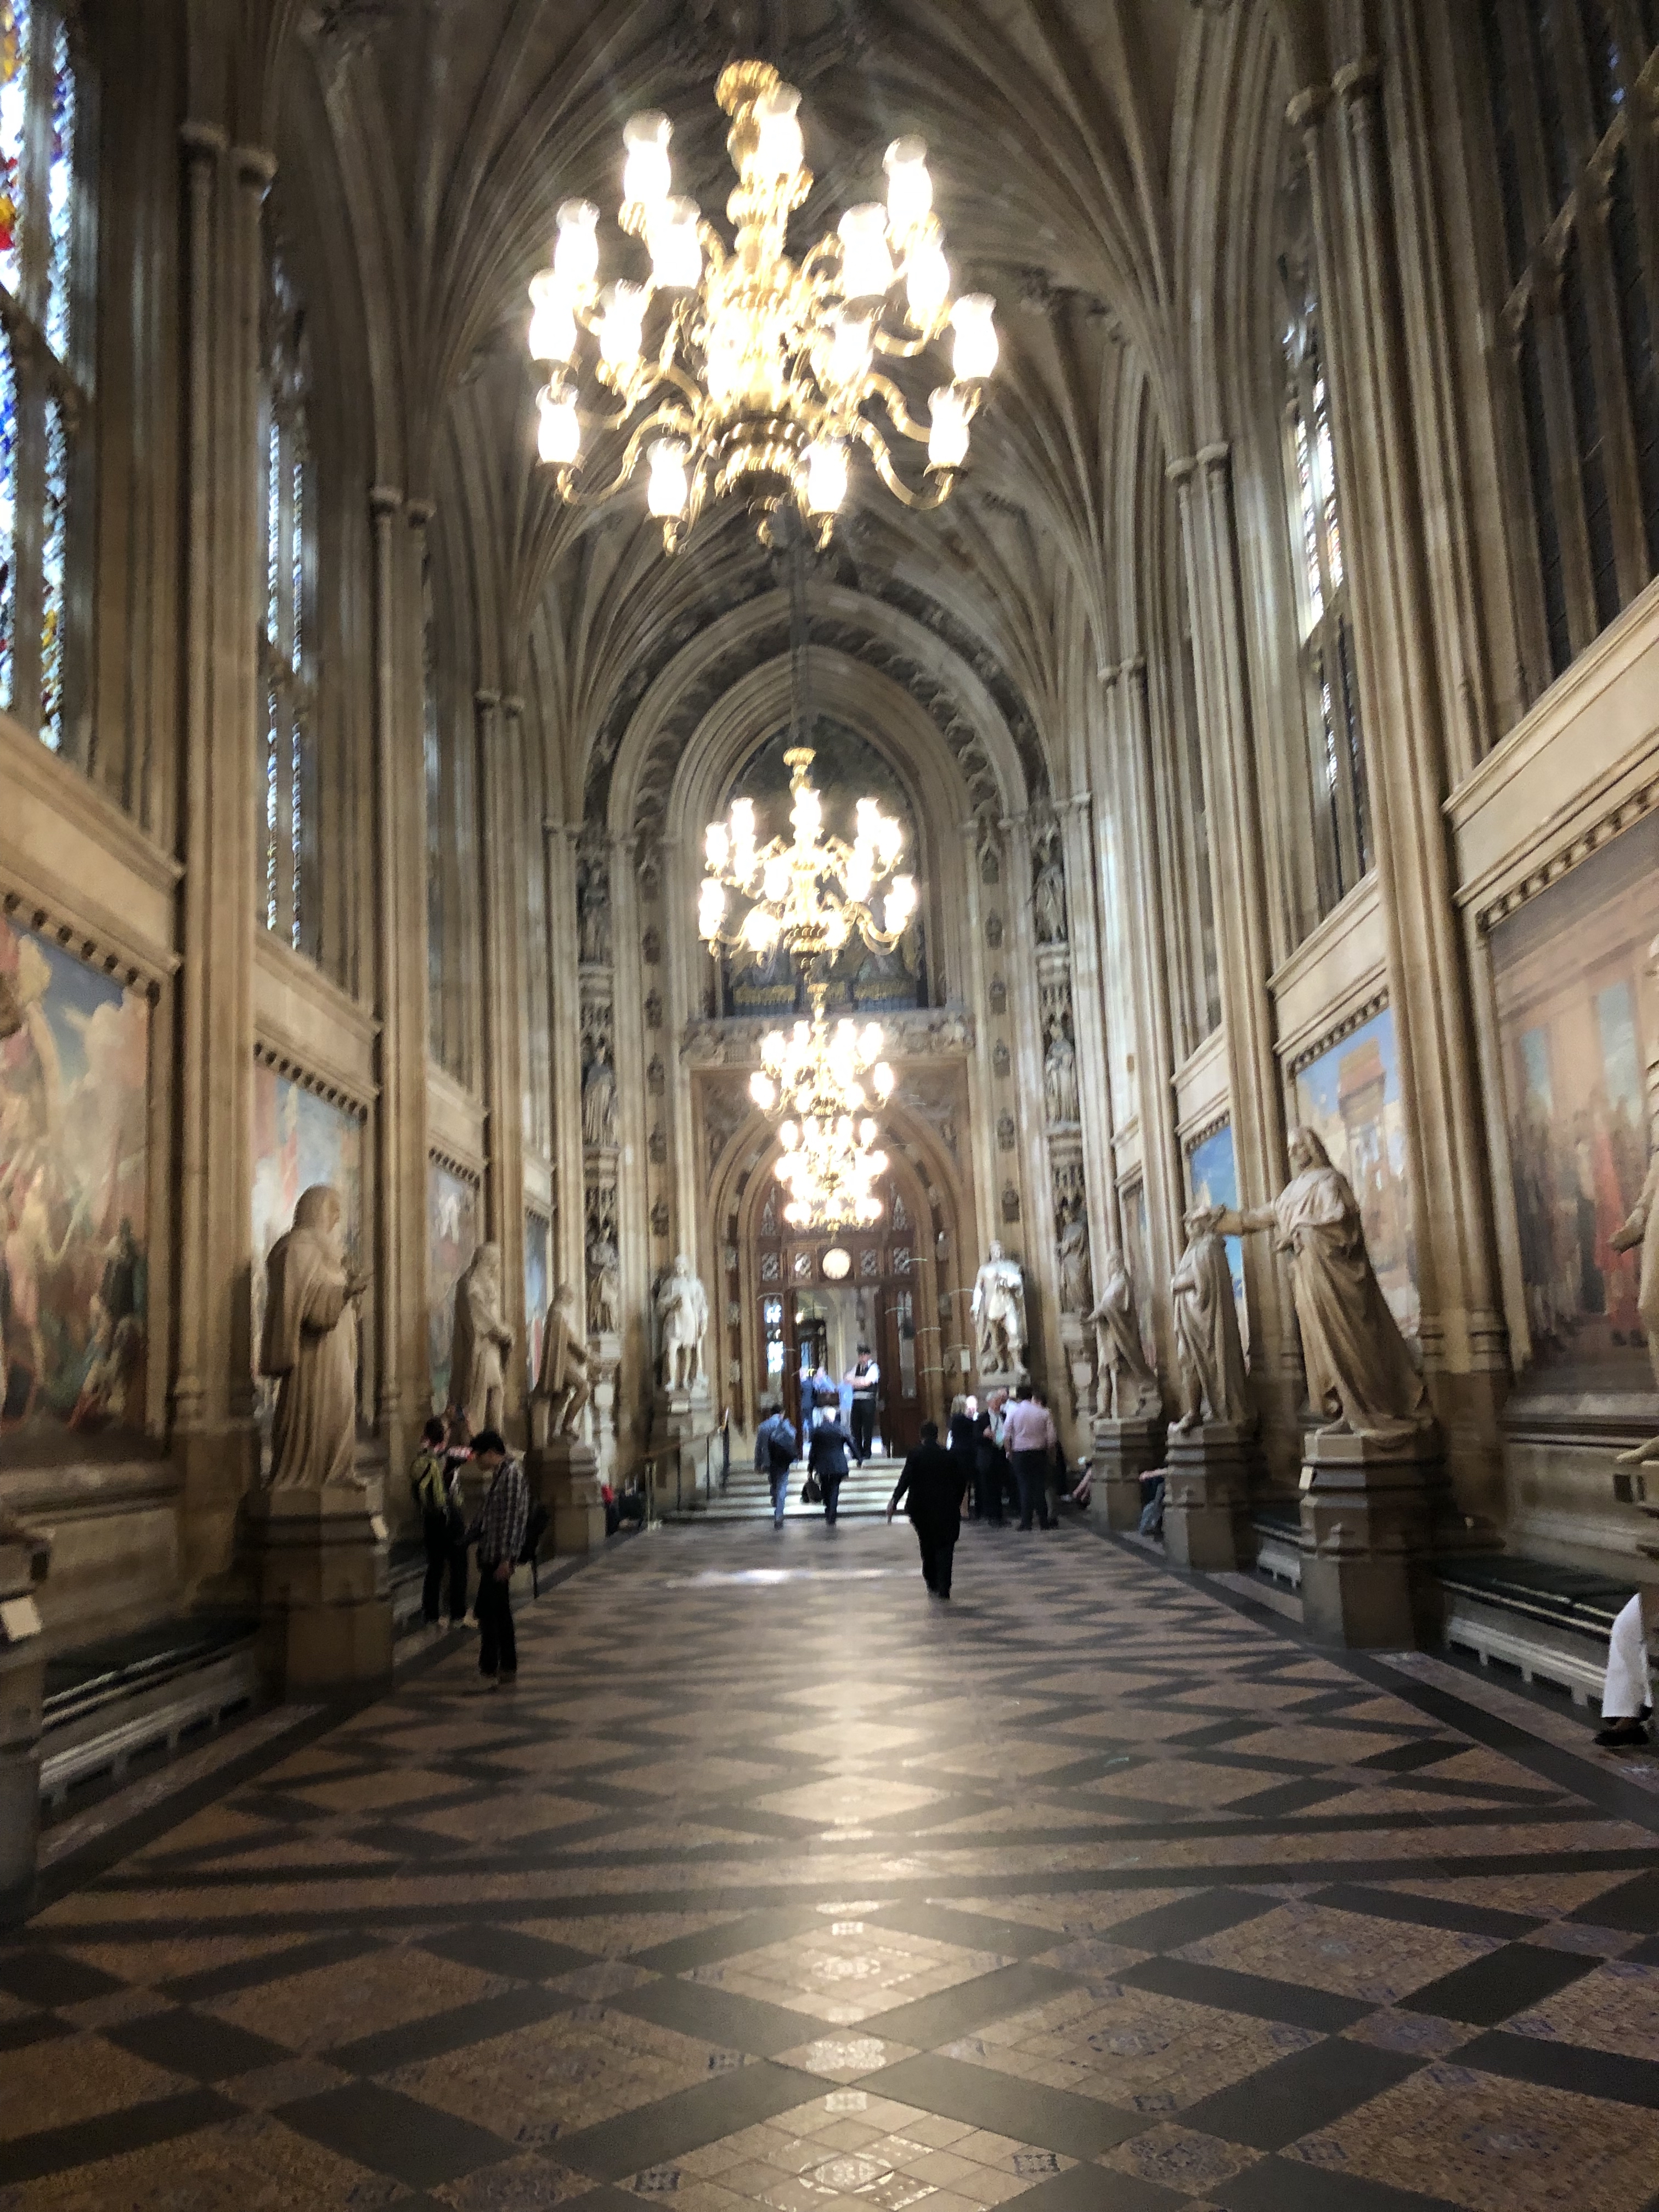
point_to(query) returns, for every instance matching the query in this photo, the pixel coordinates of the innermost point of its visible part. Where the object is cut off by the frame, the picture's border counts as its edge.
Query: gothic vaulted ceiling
(1060, 137)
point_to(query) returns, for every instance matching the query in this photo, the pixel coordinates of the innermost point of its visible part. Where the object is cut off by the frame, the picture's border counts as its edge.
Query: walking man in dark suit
(934, 1482)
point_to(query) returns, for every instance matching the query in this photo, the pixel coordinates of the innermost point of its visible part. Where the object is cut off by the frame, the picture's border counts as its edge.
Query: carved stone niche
(653, 1009)
(659, 1218)
(993, 931)
(999, 995)
(1009, 1203)
(1002, 1061)
(1006, 1133)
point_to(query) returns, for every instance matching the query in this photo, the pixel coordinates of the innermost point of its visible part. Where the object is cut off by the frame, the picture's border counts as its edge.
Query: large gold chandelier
(734, 369)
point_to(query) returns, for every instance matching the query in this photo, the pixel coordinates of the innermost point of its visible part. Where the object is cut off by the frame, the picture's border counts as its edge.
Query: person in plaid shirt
(499, 1534)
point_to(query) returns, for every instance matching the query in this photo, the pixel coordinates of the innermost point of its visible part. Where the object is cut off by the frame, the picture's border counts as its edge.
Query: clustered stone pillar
(213, 1423)
(502, 897)
(25, 1556)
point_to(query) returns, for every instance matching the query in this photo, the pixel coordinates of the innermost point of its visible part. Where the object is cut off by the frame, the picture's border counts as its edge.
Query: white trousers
(1628, 1690)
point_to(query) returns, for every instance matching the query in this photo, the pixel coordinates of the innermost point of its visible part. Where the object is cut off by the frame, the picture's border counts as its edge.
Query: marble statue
(999, 1310)
(309, 1347)
(604, 1287)
(1059, 1079)
(1049, 901)
(1361, 1377)
(482, 1341)
(1134, 1391)
(1076, 1289)
(600, 1100)
(593, 918)
(682, 1309)
(1208, 1342)
(563, 1381)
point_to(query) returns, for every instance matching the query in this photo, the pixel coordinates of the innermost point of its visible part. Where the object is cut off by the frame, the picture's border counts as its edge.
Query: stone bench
(107, 1702)
(1549, 1622)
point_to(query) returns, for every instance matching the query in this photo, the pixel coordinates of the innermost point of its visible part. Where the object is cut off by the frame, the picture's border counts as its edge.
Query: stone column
(400, 1127)
(1209, 541)
(1160, 1144)
(502, 901)
(569, 1222)
(1405, 722)
(213, 1423)
(25, 1557)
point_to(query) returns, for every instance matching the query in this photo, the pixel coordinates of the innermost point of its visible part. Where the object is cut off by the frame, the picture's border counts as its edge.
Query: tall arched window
(1572, 101)
(1342, 806)
(286, 746)
(45, 399)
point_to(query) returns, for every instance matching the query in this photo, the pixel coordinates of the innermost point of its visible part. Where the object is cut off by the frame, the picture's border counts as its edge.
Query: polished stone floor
(774, 1883)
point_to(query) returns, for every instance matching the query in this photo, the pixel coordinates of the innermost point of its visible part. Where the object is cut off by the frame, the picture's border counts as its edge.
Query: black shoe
(1622, 1736)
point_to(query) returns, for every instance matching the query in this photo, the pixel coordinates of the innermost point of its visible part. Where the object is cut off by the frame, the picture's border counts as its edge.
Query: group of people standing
(498, 1533)
(1008, 1452)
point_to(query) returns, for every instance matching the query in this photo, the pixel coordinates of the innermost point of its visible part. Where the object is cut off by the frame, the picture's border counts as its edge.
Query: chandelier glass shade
(731, 368)
(809, 892)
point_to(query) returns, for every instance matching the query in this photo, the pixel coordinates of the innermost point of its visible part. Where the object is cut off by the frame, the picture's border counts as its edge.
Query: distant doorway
(822, 1296)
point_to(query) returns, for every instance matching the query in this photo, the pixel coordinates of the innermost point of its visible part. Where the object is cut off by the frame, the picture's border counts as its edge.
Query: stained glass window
(1339, 799)
(43, 401)
(286, 898)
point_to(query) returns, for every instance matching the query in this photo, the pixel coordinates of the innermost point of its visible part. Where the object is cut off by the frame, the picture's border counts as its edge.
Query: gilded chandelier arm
(919, 502)
(665, 418)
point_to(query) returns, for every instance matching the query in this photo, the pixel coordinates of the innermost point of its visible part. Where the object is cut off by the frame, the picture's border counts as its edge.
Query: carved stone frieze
(912, 1033)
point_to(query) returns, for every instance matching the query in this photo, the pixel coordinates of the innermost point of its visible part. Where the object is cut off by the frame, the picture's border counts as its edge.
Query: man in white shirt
(1028, 1439)
(862, 1378)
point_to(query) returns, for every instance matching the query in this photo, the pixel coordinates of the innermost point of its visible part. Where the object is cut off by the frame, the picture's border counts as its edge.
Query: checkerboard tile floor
(772, 1885)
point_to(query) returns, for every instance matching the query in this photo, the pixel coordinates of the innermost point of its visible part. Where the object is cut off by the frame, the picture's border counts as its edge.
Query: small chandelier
(830, 1167)
(734, 369)
(812, 892)
(816, 1069)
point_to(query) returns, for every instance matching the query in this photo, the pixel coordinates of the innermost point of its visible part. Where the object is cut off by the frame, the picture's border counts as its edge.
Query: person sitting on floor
(1627, 1696)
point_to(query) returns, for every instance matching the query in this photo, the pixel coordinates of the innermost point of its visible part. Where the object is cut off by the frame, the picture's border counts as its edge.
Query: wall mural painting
(451, 1232)
(74, 1160)
(537, 1287)
(299, 1139)
(1578, 1026)
(1213, 1173)
(1351, 1096)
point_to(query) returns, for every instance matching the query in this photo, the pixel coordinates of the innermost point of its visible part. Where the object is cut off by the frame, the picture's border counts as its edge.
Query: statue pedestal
(1206, 1496)
(603, 1360)
(1076, 1335)
(1368, 1510)
(564, 1475)
(24, 1558)
(1124, 1451)
(320, 1562)
(989, 1379)
(682, 1423)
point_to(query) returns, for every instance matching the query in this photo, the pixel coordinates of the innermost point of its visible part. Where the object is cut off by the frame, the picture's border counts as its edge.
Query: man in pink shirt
(1028, 1439)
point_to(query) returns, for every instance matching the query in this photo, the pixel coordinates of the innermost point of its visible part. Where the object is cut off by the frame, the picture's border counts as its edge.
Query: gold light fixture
(733, 369)
(828, 1168)
(819, 1068)
(810, 892)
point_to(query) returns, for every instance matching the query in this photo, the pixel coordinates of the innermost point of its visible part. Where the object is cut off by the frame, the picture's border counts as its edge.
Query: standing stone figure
(482, 1342)
(1059, 1079)
(682, 1309)
(1360, 1373)
(1134, 1391)
(593, 918)
(604, 1286)
(310, 1347)
(600, 1100)
(563, 1381)
(1208, 1342)
(999, 1309)
(1049, 900)
(1077, 1288)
